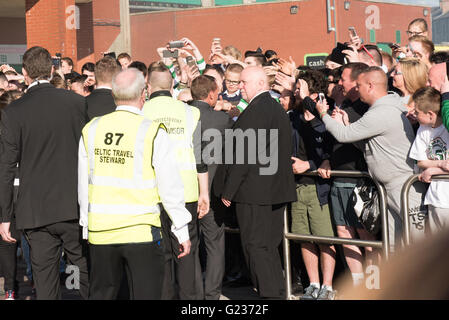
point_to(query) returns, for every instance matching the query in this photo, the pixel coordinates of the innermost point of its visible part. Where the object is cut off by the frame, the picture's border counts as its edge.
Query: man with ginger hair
(100, 101)
(251, 185)
(385, 136)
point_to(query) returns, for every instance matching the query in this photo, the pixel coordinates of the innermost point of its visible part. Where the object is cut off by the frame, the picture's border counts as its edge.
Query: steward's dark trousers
(46, 244)
(182, 278)
(144, 263)
(212, 228)
(8, 263)
(261, 231)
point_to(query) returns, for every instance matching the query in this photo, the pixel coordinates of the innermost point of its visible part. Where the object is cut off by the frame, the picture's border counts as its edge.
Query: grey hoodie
(385, 136)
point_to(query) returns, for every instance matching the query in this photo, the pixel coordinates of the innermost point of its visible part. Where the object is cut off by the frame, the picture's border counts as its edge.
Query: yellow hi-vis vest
(180, 120)
(123, 198)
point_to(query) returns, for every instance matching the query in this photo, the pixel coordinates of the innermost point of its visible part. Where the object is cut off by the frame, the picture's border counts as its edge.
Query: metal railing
(336, 240)
(384, 244)
(405, 204)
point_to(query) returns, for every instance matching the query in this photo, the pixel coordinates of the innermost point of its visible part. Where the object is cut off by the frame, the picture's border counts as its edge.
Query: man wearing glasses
(418, 27)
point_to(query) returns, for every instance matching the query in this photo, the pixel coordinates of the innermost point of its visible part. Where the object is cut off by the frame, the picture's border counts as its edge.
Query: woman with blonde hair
(409, 75)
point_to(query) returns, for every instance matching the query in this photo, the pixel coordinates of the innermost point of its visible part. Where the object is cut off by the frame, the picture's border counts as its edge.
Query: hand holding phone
(170, 54)
(353, 32)
(176, 44)
(190, 61)
(56, 62)
(321, 97)
(216, 45)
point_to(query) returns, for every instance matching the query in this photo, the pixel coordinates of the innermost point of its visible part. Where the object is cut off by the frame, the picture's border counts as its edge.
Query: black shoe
(297, 287)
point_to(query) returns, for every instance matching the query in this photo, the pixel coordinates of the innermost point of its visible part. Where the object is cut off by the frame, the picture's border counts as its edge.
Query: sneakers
(315, 293)
(326, 294)
(311, 293)
(10, 295)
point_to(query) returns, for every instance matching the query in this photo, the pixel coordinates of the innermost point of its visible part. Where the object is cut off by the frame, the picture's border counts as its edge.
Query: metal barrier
(333, 240)
(336, 240)
(405, 205)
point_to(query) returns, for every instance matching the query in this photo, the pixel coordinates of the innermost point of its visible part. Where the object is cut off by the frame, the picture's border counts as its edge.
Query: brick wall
(270, 26)
(106, 24)
(46, 26)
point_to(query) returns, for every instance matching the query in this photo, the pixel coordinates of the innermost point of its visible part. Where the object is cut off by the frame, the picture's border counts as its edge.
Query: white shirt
(168, 179)
(258, 95)
(36, 82)
(433, 144)
(103, 87)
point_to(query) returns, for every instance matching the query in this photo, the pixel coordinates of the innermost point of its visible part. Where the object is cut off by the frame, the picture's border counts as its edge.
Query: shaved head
(372, 85)
(258, 73)
(378, 77)
(437, 75)
(253, 80)
(160, 80)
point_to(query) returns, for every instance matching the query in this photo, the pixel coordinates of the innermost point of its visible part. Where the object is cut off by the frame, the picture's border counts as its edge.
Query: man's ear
(210, 96)
(26, 77)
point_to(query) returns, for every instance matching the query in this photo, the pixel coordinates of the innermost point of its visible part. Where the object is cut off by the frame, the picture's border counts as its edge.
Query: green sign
(315, 60)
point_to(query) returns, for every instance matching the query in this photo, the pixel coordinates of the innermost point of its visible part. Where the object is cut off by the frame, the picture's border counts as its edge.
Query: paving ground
(25, 289)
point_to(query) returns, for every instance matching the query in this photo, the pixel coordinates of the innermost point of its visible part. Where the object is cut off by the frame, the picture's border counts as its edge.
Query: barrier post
(405, 204)
(384, 244)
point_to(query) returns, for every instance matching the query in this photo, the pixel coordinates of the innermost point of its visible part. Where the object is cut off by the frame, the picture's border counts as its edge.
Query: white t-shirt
(433, 144)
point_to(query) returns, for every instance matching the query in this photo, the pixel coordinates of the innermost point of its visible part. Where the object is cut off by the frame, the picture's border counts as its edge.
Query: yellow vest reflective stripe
(174, 115)
(123, 198)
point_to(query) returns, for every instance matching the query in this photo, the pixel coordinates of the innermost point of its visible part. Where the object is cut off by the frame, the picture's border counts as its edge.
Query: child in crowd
(232, 80)
(431, 150)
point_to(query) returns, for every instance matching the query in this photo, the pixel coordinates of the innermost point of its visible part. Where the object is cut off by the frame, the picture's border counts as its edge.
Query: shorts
(308, 216)
(341, 202)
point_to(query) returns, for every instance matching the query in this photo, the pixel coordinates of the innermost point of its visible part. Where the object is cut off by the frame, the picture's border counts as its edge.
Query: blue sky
(430, 3)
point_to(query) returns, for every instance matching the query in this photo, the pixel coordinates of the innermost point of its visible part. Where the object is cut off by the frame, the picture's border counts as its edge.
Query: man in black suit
(41, 131)
(205, 94)
(259, 186)
(100, 101)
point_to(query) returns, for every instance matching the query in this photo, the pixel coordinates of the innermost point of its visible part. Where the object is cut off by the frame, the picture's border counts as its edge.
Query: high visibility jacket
(123, 197)
(180, 120)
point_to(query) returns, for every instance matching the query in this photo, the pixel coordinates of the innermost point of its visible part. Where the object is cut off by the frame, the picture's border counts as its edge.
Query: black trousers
(8, 258)
(261, 231)
(144, 263)
(46, 244)
(212, 229)
(182, 278)
(8, 263)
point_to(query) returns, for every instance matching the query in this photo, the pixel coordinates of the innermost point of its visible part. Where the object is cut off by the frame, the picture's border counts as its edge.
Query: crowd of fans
(383, 112)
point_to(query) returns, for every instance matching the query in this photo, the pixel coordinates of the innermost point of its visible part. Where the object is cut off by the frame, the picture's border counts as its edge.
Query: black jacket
(346, 156)
(312, 143)
(247, 182)
(41, 132)
(99, 103)
(211, 119)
